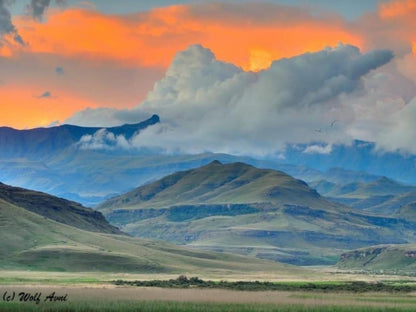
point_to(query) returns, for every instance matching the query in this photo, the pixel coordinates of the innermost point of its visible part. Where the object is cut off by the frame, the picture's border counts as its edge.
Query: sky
(243, 77)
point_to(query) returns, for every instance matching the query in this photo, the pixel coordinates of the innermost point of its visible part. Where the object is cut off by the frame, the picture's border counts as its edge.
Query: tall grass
(156, 306)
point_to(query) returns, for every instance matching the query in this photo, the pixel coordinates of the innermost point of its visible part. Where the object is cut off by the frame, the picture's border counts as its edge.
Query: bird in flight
(321, 130)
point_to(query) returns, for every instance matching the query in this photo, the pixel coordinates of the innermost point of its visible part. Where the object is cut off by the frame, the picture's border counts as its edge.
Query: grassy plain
(96, 291)
(121, 298)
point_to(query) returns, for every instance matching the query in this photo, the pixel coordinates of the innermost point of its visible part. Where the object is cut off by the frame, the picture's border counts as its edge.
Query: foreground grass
(172, 306)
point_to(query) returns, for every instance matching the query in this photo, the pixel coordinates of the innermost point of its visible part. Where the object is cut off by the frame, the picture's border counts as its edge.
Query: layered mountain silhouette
(56, 161)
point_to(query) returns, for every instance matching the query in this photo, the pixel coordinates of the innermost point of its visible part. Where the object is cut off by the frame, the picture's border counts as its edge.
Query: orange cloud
(152, 38)
(23, 108)
(397, 22)
(397, 8)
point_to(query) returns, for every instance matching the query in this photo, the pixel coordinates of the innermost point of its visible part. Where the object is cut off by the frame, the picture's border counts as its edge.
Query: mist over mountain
(104, 163)
(40, 143)
(202, 105)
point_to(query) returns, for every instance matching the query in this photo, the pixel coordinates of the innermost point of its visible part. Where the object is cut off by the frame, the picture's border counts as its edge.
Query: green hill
(239, 208)
(58, 209)
(34, 242)
(220, 184)
(384, 258)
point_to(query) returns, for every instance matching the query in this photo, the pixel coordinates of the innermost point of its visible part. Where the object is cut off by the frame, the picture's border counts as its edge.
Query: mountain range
(352, 197)
(260, 212)
(34, 238)
(53, 160)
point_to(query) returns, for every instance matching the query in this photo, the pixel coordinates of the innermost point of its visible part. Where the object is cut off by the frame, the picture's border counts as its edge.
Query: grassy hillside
(239, 208)
(31, 241)
(57, 209)
(386, 258)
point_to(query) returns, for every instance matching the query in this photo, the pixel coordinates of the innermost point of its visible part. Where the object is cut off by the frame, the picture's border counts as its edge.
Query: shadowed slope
(30, 241)
(58, 209)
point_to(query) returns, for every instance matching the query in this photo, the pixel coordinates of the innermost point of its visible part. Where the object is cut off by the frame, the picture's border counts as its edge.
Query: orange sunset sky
(62, 58)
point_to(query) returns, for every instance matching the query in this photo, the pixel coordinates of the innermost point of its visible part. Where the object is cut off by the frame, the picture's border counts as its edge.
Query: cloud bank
(209, 105)
(118, 58)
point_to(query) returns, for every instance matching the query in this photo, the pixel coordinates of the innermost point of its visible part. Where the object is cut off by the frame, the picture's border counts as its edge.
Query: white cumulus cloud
(209, 105)
(103, 140)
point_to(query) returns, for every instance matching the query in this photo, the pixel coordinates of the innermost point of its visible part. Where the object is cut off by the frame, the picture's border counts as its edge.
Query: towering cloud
(210, 105)
(118, 58)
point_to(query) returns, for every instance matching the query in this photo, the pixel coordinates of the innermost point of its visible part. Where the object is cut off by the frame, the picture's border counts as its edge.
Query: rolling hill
(57, 209)
(34, 242)
(261, 212)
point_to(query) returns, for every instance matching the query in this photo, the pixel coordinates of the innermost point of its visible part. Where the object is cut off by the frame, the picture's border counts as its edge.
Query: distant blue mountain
(49, 160)
(359, 156)
(39, 142)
